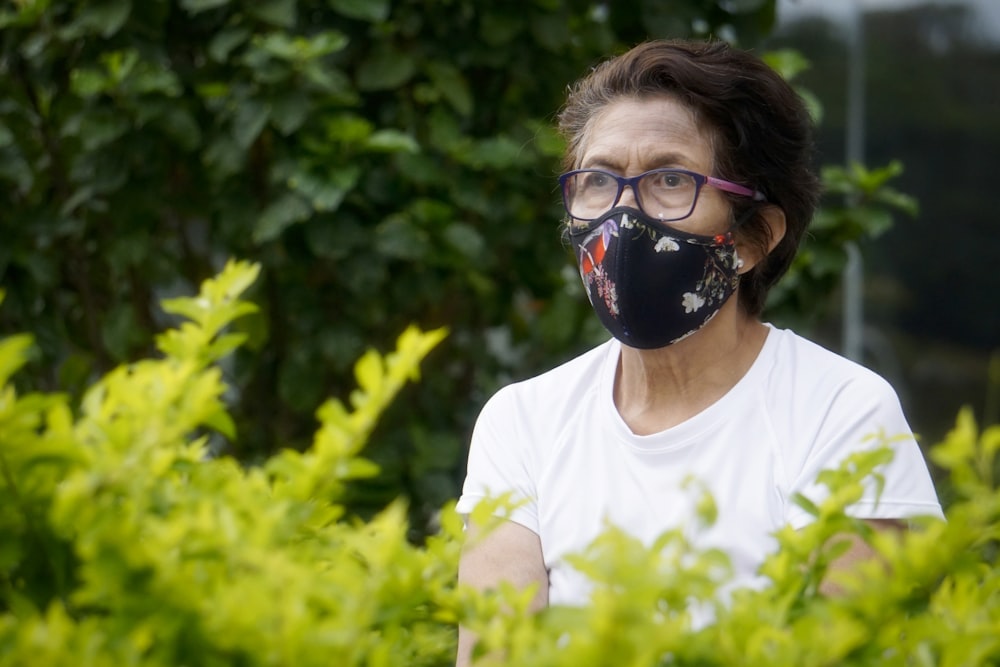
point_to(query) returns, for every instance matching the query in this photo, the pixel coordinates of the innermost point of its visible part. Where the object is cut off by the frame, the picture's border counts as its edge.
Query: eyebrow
(664, 160)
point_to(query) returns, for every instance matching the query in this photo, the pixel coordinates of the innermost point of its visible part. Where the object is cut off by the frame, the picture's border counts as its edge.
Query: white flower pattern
(666, 244)
(692, 302)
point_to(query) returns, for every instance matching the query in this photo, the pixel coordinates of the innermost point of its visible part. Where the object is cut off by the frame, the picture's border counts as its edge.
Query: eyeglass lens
(663, 194)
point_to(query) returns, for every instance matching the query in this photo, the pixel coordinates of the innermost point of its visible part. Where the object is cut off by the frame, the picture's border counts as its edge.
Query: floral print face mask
(650, 284)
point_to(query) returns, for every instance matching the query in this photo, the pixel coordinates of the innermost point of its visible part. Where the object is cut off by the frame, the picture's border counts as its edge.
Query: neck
(657, 389)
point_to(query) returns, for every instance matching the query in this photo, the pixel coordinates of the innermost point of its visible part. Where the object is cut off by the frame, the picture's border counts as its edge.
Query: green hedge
(126, 539)
(384, 161)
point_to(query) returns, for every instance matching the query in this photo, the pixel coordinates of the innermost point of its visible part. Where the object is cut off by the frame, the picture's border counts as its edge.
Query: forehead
(646, 133)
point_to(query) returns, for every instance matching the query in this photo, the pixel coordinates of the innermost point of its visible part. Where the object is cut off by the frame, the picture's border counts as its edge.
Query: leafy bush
(124, 540)
(384, 161)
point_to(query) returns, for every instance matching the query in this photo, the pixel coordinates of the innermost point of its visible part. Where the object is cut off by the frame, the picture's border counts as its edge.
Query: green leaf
(6, 136)
(325, 192)
(465, 239)
(499, 26)
(87, 82)
(301, 49)
(248, 122)
(398, 238)
(28, 13)
(300, 382)
(224, 156)
(385, 69)
(392, 141)
(897, 200)
(287, 210)
(499, 152)
(806, 504)
(348, 129)
(181, 126)
(279, 13)
(337, 241)
(373, 11)
(789, 63)
(103, 17)
(226, 40)
(813, 104)
(548, 141)
(120, 331)
(874, 221)
(13, 355)
(97, 128)
(290, 110)
(333, 83)
(549, 30)
(198, 6)
(449, 81)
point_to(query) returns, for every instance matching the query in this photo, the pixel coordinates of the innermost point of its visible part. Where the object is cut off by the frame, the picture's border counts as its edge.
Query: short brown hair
(761, 132)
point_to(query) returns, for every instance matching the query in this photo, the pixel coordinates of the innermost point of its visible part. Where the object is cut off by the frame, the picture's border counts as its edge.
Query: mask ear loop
(739, 222)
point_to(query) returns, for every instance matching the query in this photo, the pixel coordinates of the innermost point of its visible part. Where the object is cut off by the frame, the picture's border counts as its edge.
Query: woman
(689, 184)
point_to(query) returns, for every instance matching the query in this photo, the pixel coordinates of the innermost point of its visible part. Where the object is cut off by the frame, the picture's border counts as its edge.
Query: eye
(670, 179)
(596, 180)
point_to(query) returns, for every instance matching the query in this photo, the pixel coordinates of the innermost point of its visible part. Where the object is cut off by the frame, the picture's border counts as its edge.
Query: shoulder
(820, 404)
(809, 373)
(553, 391)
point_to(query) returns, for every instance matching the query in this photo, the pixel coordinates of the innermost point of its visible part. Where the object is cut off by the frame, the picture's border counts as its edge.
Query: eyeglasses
(664, 194)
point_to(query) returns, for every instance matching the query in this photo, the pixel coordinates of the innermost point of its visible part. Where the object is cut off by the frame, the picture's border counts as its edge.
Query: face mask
(650, 284)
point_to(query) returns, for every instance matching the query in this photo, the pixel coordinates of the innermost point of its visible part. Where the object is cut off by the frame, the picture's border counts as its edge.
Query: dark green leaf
(550, 30)
(197, 6)
(335, 238)
(97, 128)
(250, 118)
(276, 12)
(325, 191)
(452, 85)
(104, 18)
(465, 239)
(120, 331)
(392, 141)
(287, 210)
(224, 156)
(366, 10)
(290, 111)
(182, 127)
(499, 25)
(332, 82)
(385, 69)
(225, 41)
(398, 238)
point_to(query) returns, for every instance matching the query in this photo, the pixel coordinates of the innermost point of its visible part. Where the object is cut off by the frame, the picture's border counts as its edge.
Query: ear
(751, 253)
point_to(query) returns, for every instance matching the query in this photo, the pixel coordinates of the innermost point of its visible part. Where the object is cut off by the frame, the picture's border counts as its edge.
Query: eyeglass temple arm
(735, 188)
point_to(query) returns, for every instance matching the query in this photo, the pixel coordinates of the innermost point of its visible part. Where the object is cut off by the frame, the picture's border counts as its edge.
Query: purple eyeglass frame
(700, 181)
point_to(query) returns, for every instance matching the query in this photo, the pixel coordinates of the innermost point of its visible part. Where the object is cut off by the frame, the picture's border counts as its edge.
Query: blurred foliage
(859, 205)
(123, 541)
(384, 162)
(932, 91)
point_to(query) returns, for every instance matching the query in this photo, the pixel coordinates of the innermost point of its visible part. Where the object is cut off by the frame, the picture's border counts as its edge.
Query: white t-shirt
(557, 442)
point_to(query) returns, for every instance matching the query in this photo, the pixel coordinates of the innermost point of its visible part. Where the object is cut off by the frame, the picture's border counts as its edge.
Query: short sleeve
(500, 461)
(865, 414)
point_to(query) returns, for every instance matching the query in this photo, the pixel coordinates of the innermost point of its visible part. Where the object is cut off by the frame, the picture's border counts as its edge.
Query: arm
(510, 553)
(858, 552)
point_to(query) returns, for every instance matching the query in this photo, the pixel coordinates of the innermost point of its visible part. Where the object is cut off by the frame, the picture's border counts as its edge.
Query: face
(631, 136)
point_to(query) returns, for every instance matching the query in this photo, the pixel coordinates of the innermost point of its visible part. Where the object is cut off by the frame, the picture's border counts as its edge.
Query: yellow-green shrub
(125, 541)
